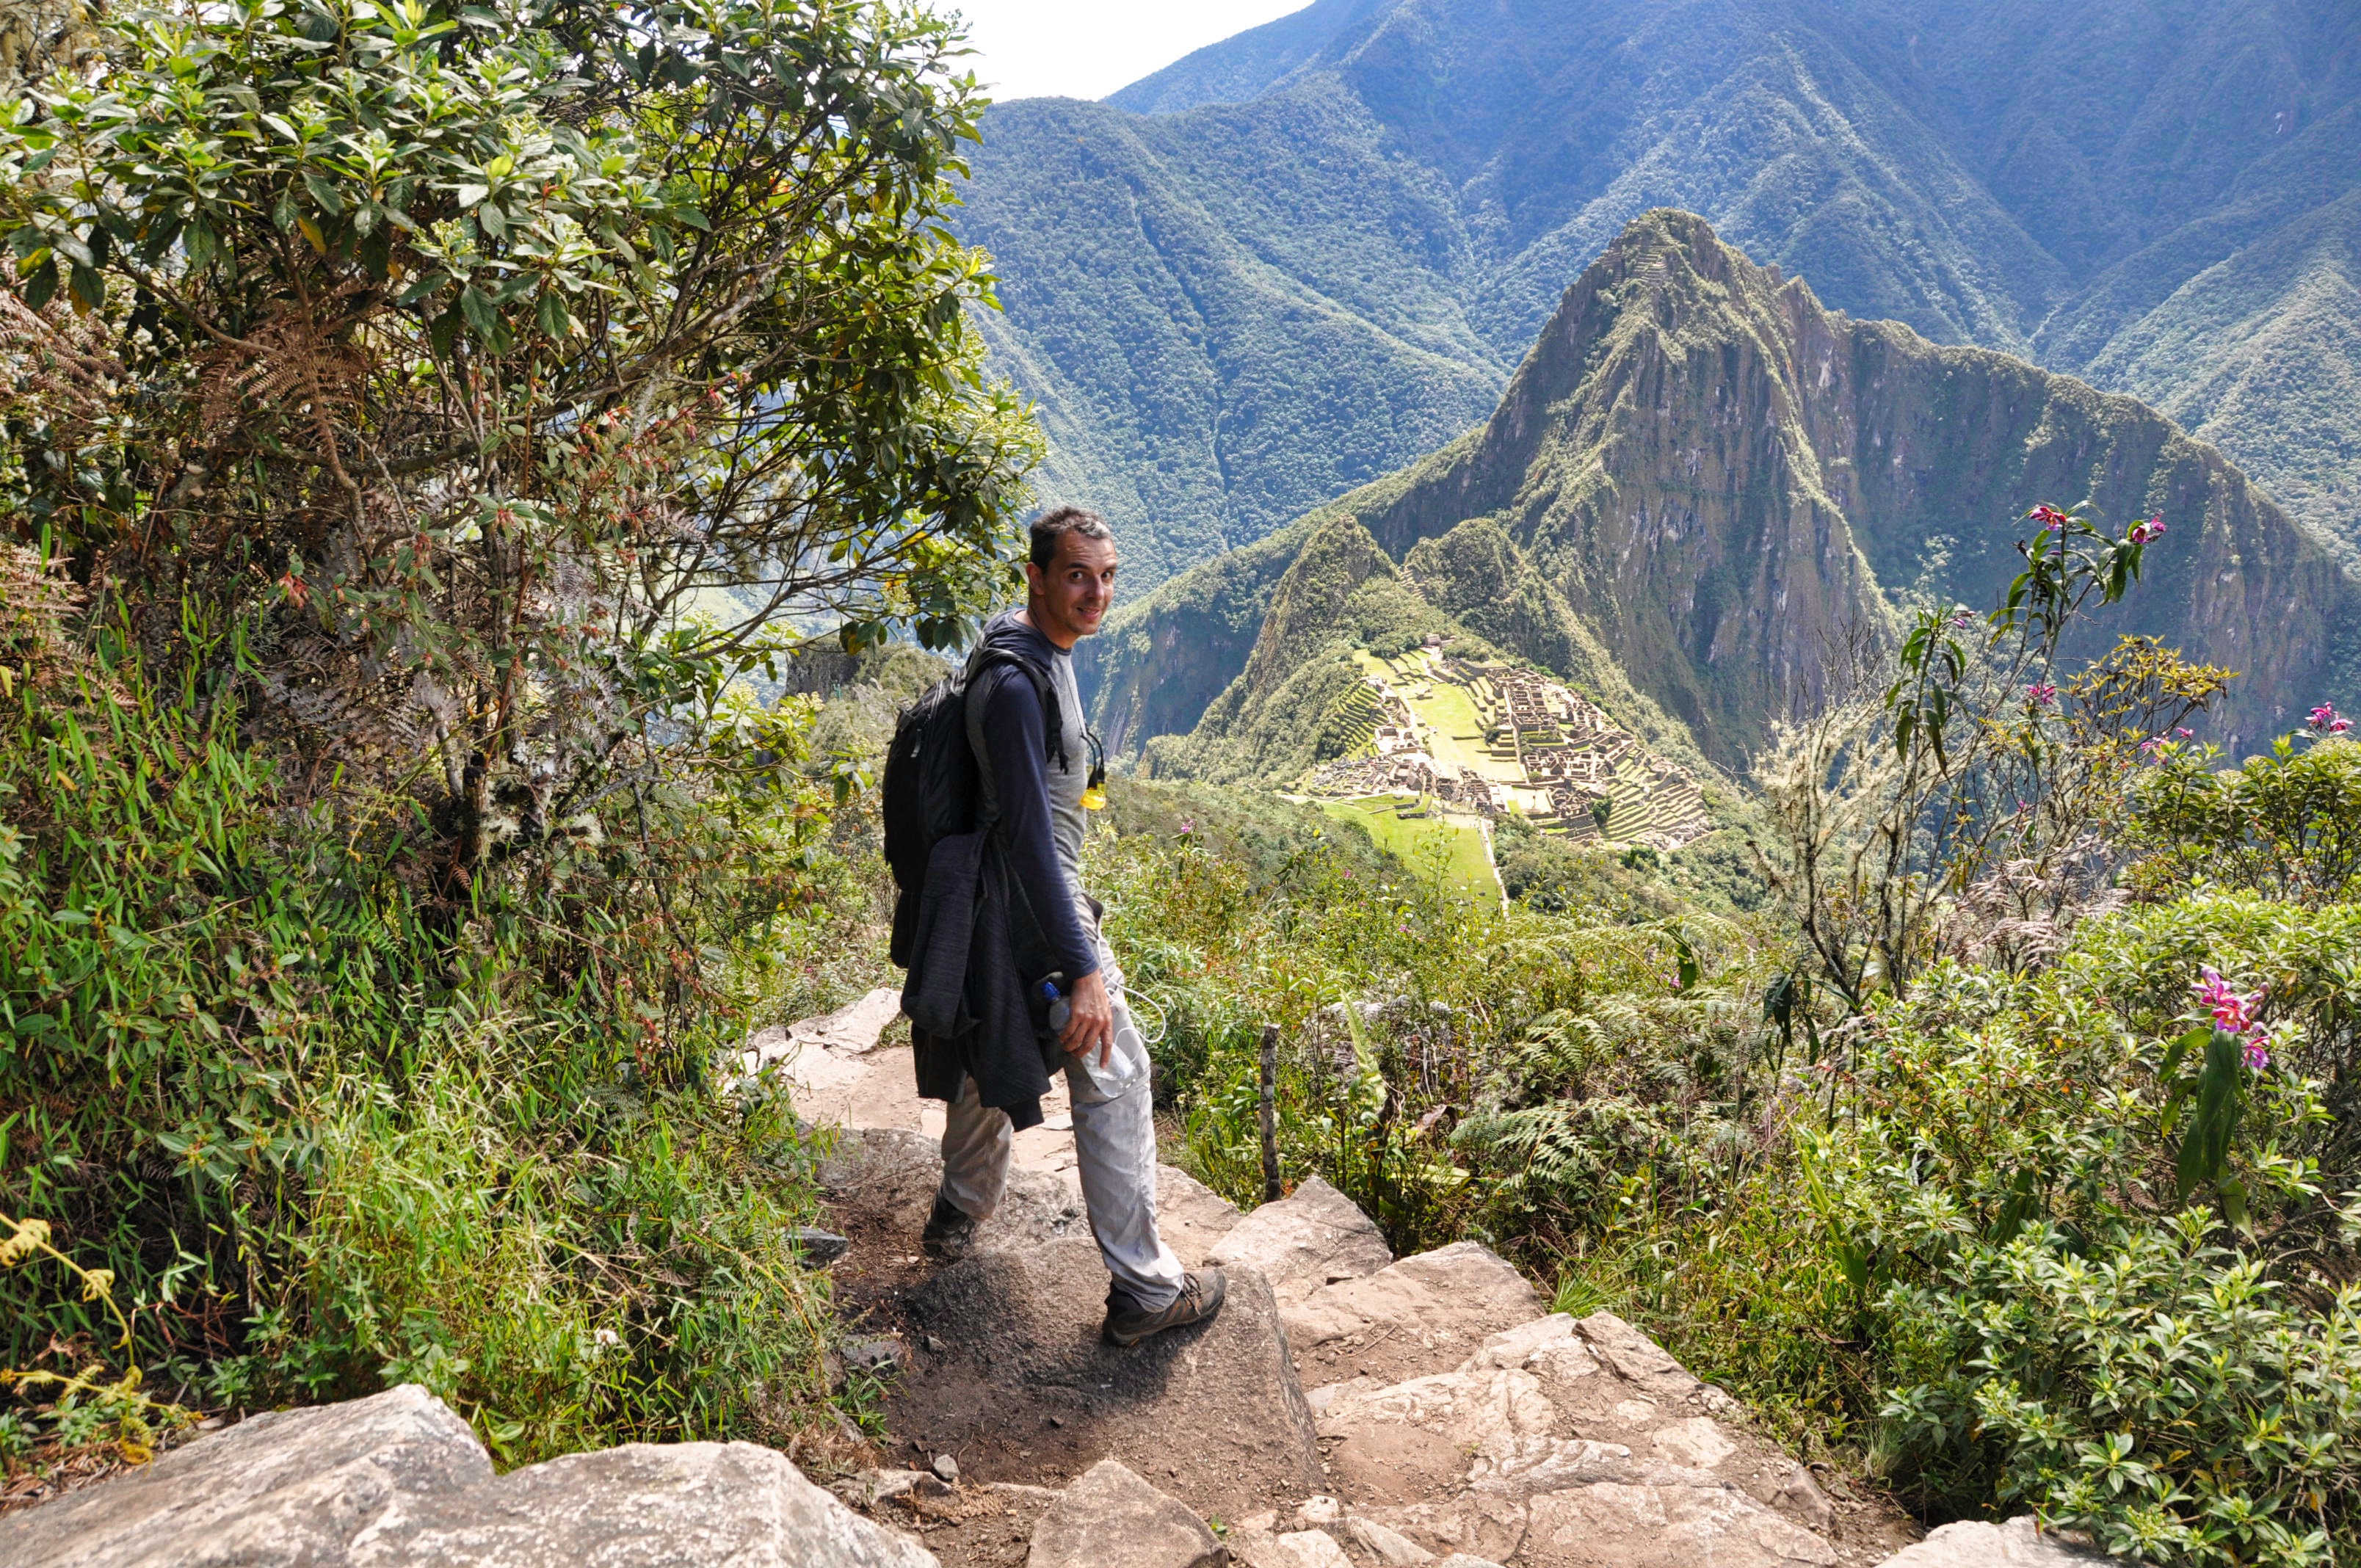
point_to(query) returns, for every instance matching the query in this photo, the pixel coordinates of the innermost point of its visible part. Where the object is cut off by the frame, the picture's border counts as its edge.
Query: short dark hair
(1055, 523)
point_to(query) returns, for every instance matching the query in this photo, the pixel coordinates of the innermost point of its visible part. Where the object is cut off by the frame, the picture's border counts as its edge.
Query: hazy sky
(1087, 48)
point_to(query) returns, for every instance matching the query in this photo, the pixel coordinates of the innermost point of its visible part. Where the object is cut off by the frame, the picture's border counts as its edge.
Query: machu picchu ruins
(1438, 730)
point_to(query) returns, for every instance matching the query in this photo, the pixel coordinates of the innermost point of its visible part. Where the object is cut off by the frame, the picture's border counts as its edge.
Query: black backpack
(933, 782)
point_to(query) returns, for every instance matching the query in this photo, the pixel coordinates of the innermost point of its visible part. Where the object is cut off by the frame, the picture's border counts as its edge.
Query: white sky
(1087, 48)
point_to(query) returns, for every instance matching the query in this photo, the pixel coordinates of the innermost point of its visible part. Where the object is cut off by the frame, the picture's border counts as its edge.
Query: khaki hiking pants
(1114, 1154)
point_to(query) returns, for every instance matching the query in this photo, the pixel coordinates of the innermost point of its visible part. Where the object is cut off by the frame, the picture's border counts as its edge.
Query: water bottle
(1127, 1053)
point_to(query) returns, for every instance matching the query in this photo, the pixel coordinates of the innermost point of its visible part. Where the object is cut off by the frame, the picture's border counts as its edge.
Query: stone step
(1423, 1314)
(1313, 1237)
(1562, 1442)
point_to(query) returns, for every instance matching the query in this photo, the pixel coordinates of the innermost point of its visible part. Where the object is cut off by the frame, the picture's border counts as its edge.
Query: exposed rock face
(1422, 1315)
(1559, 1442)
(644, 1506)
(1111, 1519)
(1313, 1237)
(397, 1479)
(293, 1486)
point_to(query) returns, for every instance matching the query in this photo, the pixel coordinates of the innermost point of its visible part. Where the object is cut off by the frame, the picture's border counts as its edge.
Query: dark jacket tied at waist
(971, 1011)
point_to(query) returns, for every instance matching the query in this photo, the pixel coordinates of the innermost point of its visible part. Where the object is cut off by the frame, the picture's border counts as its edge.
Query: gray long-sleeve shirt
(1036, 797)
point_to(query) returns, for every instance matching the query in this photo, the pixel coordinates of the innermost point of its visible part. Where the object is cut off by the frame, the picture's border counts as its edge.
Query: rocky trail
(1346, 1410)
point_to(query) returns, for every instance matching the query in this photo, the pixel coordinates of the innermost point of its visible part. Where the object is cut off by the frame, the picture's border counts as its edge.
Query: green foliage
(634, 1278)
(318, 1148)
(1557, 875)
(85, 1412)
(2287, 824)
(473, 351)
(2162, 1393)
(1982, 768)
(441, 408)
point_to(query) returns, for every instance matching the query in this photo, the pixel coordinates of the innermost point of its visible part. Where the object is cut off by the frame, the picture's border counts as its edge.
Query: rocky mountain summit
(1347, 1409)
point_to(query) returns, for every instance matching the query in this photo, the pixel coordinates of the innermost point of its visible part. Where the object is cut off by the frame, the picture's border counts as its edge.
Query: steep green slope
(1715, 481)
(2262, 353)
(1171, 355)
(1324, 253)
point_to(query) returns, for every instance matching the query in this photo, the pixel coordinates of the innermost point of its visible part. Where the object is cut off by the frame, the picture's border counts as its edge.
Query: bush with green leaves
(2163, 1393)
(318, 1150)
(2287, 823)
(514, 369)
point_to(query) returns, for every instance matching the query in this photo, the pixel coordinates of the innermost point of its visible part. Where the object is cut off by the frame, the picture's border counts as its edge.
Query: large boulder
(1971, 1543)
(1540, 1450)
(1313, 1237)
(1020, 1384)
(397, 1479)
(1191, 1216)
(1426, 1314)
(1111, 1519)
(294, 1486)
(644, 1506)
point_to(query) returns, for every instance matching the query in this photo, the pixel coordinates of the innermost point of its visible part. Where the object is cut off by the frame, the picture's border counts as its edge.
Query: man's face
(1069, 597)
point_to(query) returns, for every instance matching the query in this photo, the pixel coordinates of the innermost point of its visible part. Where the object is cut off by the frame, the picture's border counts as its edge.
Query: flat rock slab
(1565, 1444)
(644, 1506)
(1111, 1519)
(293, 1486)
(1313, 1237)
(836, 1089)
(1971, 1543)
(1191, 1216)
(1426, 1314)
(397, 1479)
(1021, 1385)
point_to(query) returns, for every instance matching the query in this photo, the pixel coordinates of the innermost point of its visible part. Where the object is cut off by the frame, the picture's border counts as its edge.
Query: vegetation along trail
(1778, 912)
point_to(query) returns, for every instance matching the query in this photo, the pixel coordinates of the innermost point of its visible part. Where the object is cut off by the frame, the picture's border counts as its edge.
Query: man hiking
(1037, 760)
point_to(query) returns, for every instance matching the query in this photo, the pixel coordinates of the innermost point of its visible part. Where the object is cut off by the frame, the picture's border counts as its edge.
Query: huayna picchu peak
(1698, 486)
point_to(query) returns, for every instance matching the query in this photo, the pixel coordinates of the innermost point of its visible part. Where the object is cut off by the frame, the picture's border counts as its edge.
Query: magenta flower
(2324, 720)
(2153, 746)
(2182, 733)
(2234, 1015)
(2049, 517)
(2142, 532)
(2042, 693)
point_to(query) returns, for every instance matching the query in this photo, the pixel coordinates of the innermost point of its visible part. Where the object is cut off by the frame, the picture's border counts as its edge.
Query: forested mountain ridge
(1720, 481)
(1325, 250)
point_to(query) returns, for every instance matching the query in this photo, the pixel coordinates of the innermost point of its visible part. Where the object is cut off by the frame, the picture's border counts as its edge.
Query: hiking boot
(949, 1233)
(1200, 1298)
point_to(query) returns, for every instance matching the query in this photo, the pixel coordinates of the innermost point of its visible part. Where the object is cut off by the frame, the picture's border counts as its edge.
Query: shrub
(2162, 1392)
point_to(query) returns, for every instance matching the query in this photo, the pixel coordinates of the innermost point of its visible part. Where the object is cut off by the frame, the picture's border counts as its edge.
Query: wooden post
(1270, 1192)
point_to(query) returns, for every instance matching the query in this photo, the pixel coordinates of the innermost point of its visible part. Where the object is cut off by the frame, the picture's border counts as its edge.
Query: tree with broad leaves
(515, 375)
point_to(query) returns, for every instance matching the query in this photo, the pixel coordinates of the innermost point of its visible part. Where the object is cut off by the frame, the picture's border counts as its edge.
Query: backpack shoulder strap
(1053, 724)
